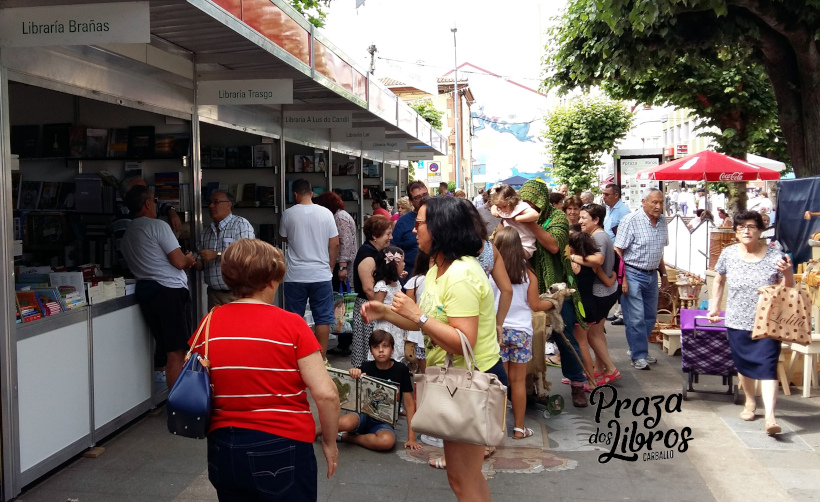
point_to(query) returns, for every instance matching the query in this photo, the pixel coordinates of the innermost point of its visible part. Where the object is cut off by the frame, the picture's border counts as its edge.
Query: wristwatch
(219, 254)
(422, 320)
(664, 275)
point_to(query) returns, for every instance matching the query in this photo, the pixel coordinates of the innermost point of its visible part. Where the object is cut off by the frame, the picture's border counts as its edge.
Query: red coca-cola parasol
(708, 166)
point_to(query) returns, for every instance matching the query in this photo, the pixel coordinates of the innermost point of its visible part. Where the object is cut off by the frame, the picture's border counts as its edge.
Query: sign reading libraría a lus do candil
(79, 24)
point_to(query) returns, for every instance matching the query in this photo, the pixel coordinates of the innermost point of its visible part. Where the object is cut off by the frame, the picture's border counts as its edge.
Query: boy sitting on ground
(360, 429)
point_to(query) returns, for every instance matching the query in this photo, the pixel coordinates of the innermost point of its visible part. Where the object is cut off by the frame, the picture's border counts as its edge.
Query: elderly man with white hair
(641, 237)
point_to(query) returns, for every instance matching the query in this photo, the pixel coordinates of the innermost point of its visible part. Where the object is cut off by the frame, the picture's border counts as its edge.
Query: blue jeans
(570, 366)
(248, 465)
(640, 308)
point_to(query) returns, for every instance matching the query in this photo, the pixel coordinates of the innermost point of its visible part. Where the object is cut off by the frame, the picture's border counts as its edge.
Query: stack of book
(29, 306)
(167, 187)
(94, 292)
(71, 298)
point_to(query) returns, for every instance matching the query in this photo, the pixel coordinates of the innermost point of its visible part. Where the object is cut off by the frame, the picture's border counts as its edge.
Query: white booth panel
(122, 362)
(53, 392)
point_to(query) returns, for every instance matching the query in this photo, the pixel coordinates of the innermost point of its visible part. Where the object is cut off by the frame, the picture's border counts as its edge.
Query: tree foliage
(313, 10)
(725, 46)
(578, 133)
(429, 113)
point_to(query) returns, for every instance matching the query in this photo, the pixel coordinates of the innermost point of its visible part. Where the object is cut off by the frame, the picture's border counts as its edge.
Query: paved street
(726, 459)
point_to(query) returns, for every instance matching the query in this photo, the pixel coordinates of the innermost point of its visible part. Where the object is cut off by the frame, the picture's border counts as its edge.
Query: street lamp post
(457, 154)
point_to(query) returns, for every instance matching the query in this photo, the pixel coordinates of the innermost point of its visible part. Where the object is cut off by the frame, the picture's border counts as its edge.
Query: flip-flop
(526, 431)
(552, 363)
(438, 463)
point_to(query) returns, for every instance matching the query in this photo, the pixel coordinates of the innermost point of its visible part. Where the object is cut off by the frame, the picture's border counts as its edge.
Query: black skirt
(754, 358)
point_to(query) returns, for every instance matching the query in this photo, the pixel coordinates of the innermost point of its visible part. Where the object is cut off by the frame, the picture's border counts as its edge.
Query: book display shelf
(312, 164)
(247, 167)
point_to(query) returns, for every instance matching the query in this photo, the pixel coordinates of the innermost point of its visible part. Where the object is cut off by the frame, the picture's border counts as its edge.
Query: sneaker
(640, 364)
(628, 353)
(618, 322)
(611, 318)
(650, 359)
(430, 440)
(579, 397)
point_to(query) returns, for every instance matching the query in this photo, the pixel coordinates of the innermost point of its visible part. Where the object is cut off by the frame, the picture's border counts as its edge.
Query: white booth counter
(81, 375)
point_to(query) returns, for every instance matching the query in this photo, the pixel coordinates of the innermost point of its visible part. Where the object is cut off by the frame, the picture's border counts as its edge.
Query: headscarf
(552, 268)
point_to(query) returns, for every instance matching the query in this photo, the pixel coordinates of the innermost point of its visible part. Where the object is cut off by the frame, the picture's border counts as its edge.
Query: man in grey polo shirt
(642, 235)
(153, 255)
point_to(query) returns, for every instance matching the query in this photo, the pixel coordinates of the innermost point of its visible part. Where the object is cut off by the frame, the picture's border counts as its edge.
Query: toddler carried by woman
(515, 213)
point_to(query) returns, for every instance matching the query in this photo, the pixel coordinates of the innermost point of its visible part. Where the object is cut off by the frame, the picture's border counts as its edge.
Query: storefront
(72, 108)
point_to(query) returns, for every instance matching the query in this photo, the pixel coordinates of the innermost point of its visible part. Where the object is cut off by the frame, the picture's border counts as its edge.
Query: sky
(503, 40)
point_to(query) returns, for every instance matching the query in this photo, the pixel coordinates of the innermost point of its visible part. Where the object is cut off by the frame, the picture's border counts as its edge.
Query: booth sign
(318, 120)
(245, 92)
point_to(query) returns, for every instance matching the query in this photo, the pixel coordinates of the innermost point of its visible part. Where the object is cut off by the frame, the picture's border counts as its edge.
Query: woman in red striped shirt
(260, 443)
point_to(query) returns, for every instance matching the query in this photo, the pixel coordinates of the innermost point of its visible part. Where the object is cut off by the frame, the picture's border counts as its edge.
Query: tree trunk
(737, 197)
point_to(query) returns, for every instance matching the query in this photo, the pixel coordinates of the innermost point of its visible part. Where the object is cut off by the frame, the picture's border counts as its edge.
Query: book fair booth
(238, 95)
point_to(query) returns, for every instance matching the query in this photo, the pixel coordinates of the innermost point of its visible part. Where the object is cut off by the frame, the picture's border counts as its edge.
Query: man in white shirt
(762, 201)
(313, 245)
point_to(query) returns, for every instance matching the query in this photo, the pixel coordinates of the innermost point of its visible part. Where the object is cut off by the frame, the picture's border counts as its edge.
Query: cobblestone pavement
(724, 459)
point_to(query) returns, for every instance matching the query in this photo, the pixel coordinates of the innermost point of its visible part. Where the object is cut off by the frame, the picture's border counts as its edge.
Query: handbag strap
(467, 352)
(205, 325)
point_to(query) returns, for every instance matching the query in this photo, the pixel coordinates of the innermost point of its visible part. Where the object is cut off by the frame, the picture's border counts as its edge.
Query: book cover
(16, 181)
(56, 140)
(371, 170)
(217, 157)
(245, 158)
(231, 157)
(29, 304)
(65, 199)
(263, 155)
(249, 196)
(141, 141)
(320, 162)
(266, 196)
(301, 164)
(96, 142)
(171, 145)
(49, 196)
(24, 140)
(88, 193)
(47, 229)
(232, 190)
(373, 397)
(50, 299)
(29, 194)
(118, 142)
(76, 141)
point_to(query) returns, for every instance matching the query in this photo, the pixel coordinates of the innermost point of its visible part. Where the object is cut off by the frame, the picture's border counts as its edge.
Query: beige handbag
(461, 405)
(783, 313)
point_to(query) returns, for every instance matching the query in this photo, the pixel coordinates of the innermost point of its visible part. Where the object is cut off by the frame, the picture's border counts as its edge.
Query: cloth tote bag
(461, 405)
(783, 314)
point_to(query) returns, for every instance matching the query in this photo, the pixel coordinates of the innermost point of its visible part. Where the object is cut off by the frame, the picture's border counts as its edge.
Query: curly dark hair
(330, 200)
(452, 228)
(387, 270)
(743, 216)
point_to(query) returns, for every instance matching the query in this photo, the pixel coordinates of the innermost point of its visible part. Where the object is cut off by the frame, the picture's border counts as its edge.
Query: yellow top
(462, 291)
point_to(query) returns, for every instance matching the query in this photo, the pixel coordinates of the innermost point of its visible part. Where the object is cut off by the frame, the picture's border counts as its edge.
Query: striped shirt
(254, 349)
(641, 241)
(230, 229)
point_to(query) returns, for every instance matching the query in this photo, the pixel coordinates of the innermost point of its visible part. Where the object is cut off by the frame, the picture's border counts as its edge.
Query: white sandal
(526, 431)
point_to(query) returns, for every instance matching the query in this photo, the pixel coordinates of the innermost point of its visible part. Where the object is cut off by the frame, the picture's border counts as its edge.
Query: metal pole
(455, 101)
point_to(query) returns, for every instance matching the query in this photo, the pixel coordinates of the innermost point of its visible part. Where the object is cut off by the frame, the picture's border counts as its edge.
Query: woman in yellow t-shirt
(457, 294)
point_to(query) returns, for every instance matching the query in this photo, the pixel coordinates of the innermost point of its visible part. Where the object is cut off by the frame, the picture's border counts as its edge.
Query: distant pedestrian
(587, 197)
(443, 190)
(563, 190)
(642, 235)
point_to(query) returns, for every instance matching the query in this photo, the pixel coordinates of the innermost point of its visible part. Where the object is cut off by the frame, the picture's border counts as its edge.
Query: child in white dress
(389, 268)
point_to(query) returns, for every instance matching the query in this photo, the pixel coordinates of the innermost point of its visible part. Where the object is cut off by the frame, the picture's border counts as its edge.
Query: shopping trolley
(705, 351)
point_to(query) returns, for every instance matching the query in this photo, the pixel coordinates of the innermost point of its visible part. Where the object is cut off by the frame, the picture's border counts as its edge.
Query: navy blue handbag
(189, 402)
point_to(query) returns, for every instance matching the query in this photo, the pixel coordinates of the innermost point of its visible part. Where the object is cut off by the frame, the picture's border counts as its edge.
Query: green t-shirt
(462, 291)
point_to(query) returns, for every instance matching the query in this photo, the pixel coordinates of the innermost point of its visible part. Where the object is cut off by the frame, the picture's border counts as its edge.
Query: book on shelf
(50, 299)
(88, 193)
(49, 195)
(264, 155)
(141, 141)
(76, 141)
(96, 142)
(29, 194)
(320, 162)
(374, 397)
(65, 198)
(231, 157)
(245, 157)
(167, 187)
(56, 140)
(303, 164)
(172, 145)
(217, 157)
(371, 170)
(233, 190)
(25, 140)
(47, 229)
(269, 233)
(67, 282)
(266, 196)
(118, 142)
(29, 305)
(248, 196)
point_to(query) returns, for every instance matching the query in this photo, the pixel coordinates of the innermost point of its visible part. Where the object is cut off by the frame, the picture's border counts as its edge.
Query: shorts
(168, 313)
(320, 295)
(369, 425)
(421, 354)
(516, 346)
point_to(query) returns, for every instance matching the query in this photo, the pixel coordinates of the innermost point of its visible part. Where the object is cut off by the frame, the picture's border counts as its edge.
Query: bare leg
(517, 374)
(768, 390)
(583, 344)
(380, 441)
(748, 385)
(464, 472)
(597, 341)
(422, 365)
(173, 367)
(323, 334)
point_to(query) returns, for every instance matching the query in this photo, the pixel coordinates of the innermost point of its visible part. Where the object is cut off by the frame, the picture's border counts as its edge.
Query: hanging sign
(245, 92)
(83, 24)
(318, 120)
(385, 145)
(415, 156)
(357, 134)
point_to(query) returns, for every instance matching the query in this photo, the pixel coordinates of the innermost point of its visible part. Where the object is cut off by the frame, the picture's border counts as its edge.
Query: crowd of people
(438, 266)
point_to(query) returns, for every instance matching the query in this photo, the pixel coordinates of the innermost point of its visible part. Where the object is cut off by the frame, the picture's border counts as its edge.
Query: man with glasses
(642, 236)
(403, 235)
(225, 228)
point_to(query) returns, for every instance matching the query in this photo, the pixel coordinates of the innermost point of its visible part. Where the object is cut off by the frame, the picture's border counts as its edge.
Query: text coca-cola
(731, 177)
